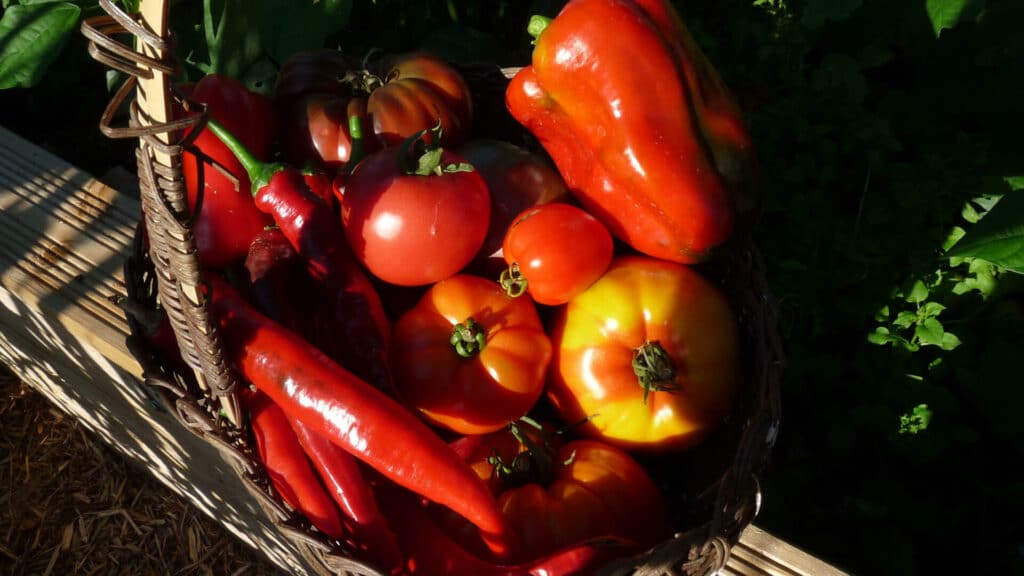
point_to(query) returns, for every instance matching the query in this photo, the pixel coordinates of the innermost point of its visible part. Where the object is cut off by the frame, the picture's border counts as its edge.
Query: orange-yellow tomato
(489, 374)
(650, 353)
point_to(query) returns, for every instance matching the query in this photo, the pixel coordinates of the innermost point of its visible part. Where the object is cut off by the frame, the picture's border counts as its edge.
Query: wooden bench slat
(63, 237)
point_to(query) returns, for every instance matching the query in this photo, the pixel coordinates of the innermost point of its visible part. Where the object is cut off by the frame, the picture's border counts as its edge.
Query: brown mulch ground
(69, 504)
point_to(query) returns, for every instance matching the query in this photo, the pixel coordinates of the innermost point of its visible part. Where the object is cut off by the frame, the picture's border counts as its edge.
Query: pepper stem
(468, 338)
(259, 172)
(513, 281)
(537, 25)
(654, 369)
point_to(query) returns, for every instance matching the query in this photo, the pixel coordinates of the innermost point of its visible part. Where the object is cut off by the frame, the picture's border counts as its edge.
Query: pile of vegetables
(455, 348)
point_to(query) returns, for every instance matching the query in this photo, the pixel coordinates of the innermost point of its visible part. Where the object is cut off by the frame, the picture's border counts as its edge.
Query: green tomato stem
(513, 281)
(654, 369)
(468, 338)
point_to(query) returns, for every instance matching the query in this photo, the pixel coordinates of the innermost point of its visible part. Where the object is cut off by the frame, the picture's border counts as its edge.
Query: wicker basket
(163, 274)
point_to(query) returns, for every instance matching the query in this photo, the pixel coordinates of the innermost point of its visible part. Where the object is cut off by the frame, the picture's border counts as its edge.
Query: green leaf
(929, 332)
(999, 236)
(918, 293)
(970, 213)
(905, 319)
(947, 13)
(241, 33)
(31, 38)
(1015, 182)
(917, 420)
(953, 237)
(881, 336)
(931, 310)
(949, 341)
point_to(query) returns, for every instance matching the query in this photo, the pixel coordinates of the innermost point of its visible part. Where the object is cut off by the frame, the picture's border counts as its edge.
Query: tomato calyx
(654, 369)
(468, 338)
(362, 81)
(422, 156)
(513, 281)
(535, 464)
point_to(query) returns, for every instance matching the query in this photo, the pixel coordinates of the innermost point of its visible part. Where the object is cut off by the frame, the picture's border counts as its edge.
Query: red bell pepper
(641, 127)
(227, 221)
(353, 415)
(289, 471)
(357, 332)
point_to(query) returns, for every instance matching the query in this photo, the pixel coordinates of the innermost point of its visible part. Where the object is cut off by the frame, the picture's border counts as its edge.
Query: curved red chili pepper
(353, 415)
(349, 489)
(289, 471)
(314, 230)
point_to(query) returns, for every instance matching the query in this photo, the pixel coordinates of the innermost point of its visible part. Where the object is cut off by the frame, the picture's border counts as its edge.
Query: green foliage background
(886, 130)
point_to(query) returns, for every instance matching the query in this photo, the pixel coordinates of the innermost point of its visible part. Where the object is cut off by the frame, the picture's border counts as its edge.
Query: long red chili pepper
(273, 278)
(314, 230)
(349, 489)
(289, 471)
(359, 418)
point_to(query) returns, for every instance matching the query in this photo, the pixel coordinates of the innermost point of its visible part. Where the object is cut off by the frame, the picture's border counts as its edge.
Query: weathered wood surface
(63, 237)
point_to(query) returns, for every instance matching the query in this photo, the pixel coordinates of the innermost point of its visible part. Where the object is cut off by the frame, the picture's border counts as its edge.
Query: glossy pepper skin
(357, 331)
(227, 221)
(287, 467)
(641, 127)
(348, 487)
(352, 414)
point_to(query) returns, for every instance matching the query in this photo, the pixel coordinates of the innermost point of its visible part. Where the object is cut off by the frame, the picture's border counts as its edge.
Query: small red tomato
(468, 357)
(415, 219)
(555, 252)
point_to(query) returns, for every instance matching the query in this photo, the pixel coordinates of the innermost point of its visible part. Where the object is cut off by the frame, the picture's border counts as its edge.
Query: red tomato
(553, 496)
(412, 228)
(556, 251)
(650, 353)
(470, 358)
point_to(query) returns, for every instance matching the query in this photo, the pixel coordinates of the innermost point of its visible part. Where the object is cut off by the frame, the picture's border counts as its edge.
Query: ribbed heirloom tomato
(470, 358)
(554, 494)
(650, 353)
(319, 90)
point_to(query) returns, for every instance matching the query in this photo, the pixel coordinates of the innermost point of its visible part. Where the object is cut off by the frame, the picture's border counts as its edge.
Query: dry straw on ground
(71, 505)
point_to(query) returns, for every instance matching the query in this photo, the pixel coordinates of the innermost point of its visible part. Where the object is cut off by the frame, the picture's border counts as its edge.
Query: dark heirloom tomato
(517, 179)
(555, 252)
(470, 358)
(318, 91)
(552, 496)
(650, 352)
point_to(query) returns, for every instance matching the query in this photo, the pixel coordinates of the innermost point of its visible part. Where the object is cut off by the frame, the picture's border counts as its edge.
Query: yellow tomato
(649, 353)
